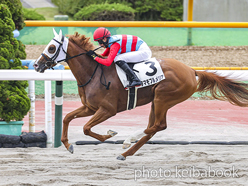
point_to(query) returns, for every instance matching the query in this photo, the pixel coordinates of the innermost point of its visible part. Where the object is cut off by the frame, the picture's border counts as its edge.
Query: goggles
(100, 42)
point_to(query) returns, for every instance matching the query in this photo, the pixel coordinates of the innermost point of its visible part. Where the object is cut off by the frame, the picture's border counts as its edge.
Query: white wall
(218, 10)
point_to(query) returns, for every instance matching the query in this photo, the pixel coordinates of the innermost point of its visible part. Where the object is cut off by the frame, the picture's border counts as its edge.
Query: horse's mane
(82, 41)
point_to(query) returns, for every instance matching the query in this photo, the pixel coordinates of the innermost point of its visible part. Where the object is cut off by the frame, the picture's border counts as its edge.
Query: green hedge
(15, 8)
(145, 10)
(166, 10)
(32, 15)
(106, 12)
(14, 102)
(71, 7)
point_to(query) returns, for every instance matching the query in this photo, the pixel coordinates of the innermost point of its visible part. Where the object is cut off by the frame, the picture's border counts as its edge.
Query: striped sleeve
(112, 54)
(106, 52)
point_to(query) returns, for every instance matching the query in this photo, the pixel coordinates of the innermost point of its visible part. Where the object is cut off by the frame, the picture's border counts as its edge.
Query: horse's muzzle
(39, 68)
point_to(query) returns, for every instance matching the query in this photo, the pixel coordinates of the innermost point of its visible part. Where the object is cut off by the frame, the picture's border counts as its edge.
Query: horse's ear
(60, 35)
(54, 32)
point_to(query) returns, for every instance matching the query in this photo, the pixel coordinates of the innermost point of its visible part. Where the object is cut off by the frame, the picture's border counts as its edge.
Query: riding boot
(134, 80)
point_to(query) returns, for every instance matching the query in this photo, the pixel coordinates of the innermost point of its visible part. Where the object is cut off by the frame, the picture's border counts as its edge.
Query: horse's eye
(51, 49)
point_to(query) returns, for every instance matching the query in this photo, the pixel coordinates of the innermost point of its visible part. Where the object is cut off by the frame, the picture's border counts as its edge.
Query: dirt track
(194, 56)
(152, 164)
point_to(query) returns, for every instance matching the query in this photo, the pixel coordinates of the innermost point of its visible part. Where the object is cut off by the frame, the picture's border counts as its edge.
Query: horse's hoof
(120, 157)
(112, 133)
(71, 149)
(126, 145)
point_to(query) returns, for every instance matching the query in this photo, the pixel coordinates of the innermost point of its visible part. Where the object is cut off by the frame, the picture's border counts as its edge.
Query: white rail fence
(31, 76)
(66, 75)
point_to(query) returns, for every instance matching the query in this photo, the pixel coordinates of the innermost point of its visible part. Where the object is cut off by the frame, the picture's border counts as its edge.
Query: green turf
(69, 87)
(153, 36)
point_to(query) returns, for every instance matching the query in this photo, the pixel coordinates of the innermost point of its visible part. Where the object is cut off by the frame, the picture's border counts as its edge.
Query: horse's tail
(222, 88)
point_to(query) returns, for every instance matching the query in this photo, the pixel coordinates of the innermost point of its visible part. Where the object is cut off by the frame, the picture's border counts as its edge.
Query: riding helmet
(101, 33)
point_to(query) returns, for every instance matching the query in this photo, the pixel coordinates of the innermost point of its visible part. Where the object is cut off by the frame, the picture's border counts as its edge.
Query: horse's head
(54, 52)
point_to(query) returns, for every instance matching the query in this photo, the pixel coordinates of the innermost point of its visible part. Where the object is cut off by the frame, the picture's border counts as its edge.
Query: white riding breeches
(142, 54)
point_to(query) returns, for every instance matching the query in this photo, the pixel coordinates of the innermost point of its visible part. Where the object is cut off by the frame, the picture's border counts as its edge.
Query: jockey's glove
(92, 54)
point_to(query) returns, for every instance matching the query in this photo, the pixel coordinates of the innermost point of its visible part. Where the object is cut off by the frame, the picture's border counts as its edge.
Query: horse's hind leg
(80, 112)
(157, 122)
(139, 134)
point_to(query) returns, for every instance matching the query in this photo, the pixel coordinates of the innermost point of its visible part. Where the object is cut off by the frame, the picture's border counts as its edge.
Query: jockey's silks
(128, 43)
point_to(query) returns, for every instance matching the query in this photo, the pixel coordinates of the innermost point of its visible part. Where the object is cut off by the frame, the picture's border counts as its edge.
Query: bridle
(52, 60)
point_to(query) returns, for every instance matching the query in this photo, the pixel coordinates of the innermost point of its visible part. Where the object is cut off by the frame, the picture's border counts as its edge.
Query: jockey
(121, 49)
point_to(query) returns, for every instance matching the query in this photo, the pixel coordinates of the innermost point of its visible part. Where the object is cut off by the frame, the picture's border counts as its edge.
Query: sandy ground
(194, 56)
(152, 164)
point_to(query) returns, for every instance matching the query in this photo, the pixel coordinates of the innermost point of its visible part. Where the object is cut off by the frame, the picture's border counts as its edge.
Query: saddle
(149, 72)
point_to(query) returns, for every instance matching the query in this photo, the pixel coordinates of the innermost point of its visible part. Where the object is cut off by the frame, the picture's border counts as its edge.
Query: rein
(51, 61)
(68, 54)
(102, 75)
(90, 77)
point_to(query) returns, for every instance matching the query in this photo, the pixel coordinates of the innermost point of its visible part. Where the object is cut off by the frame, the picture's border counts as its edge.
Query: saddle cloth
(149, 72)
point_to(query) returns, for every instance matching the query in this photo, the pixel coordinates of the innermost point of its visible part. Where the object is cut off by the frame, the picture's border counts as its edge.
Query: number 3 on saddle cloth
(149, 72)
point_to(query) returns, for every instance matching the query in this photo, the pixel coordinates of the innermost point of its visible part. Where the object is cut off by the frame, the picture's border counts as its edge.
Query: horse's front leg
(101, 115)
(80, 112)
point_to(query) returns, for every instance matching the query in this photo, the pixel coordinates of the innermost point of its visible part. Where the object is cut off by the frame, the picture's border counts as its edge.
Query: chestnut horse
(102, 103)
